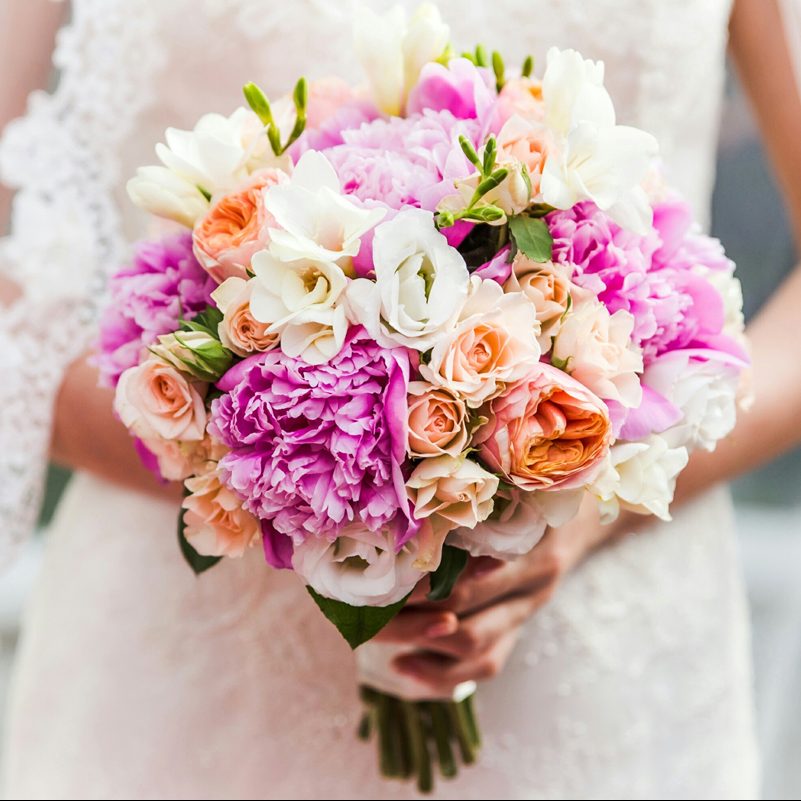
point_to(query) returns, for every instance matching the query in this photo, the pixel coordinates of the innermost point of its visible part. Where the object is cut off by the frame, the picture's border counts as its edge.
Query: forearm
(87, 435)
(772, 426)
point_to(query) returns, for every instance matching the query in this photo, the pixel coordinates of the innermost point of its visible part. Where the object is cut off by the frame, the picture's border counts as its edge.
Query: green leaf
(356, 624)
(532, 237)
(198, 562)
(454, 561)
(207, 322)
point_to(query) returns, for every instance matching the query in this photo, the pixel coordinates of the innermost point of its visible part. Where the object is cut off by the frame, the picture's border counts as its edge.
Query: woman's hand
(471, 634)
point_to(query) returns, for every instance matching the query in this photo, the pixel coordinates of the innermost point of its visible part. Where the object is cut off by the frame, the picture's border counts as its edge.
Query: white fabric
(136, 679)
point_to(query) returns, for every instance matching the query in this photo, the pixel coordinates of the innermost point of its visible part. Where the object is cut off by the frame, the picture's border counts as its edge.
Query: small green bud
(526, 178)
(490, 152)
(445, 219)
(469, 56)
(489, 183)
(499, 69)
(301, 96)
(528, 67)
(481, 56)
(257, 100)
(469, 150)
(486, 214)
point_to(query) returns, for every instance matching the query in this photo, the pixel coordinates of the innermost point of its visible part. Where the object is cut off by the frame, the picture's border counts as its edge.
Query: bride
(137, 680)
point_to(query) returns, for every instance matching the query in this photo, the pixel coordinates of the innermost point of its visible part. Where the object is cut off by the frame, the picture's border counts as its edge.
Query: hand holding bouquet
(413, 321)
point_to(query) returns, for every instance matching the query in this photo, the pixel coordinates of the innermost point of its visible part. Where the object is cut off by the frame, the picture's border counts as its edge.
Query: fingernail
(441, 629)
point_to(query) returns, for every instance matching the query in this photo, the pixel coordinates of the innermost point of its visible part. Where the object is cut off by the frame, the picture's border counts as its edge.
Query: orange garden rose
(235, 228)
(546, 432)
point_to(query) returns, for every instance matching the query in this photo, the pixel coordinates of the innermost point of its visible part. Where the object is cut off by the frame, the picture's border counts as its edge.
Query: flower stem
(421, 759)
(441, 727)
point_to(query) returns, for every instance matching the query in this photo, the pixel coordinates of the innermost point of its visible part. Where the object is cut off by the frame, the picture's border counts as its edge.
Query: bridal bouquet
(415, 320)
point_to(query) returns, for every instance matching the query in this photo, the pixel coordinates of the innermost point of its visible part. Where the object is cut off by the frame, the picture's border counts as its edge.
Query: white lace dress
(135, 679)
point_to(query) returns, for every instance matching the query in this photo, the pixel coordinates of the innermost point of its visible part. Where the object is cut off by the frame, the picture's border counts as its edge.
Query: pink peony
(466, 91)
(315, 448)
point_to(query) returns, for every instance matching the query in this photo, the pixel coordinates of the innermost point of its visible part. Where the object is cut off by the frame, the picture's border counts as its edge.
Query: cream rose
(454, 488)
(595, 348)
(494, 342)
(437, 421)
(195, 353)
(215, 524)
(549, 289)
(523, 142)
(239, 330)
(154, 400)
(178, 459)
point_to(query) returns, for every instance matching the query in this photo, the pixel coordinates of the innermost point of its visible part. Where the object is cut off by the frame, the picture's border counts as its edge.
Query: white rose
(493, 342)
(640, 477)
(454, 488)
(360, 567)
(160, 191)
(392, 52)
(704, 390)
(314, 219)
(420, 285)
(595, 348)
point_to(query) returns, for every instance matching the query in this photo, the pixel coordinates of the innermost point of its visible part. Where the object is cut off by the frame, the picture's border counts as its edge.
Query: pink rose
(520, 141)
(239, 330)
(235, 228)
(549, 289)
(521, 97)
(493, 342)
(154, 400)
(215, 524)
(437, 421)
(546, 432)
(326, 97)
(596, 348)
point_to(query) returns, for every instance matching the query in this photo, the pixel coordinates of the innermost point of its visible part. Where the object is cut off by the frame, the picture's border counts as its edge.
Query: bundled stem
(416, 737)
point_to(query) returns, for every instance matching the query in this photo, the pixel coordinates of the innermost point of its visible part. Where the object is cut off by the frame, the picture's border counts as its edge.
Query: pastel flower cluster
(442, 308)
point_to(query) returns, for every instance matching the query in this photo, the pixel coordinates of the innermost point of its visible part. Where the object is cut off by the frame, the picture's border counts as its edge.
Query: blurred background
(748, 218)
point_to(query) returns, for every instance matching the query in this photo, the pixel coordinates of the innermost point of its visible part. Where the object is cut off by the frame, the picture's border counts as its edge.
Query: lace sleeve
(62, 157)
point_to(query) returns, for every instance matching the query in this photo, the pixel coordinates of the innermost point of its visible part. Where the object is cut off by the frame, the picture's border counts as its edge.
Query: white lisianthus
(218, 153)
(314, 219)
(704, 390)
(640, 477)
(493, 342)
(595, 348)
(160, 191)
(393, 51)
(420, 285)
(593, 157)
(454, 488)
(515, 526)
(360, 567)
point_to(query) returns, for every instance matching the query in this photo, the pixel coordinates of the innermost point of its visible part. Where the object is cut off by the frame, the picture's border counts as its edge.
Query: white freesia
(160, 191)
(359, 568)
(593, 157)
(454, 488)
(640, 477)
(314, 219)
(704, 390)
(493, 342)
(595, 348)
(219, 152)
(317, 338)
(420, 285)
(393, 51)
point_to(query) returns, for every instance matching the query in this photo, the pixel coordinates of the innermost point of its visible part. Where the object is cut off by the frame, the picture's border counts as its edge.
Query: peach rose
(215, 524)
(547, 432)
(178, 459)
(239, 330)
(548, 287)
(154, 400)
(494, 342)
(437, 421)
(521, 97)
(235, 228)
(454, 488)
(527, 143)
(595, 347)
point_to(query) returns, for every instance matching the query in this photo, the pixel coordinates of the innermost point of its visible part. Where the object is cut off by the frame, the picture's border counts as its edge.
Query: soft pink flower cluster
(445, 311)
